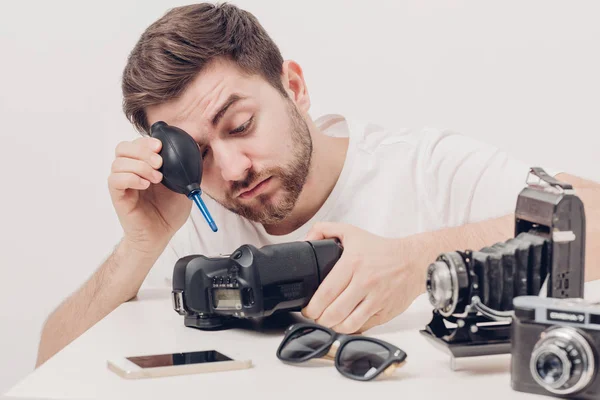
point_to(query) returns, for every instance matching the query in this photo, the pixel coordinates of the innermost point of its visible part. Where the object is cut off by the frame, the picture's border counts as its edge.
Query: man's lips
(255, 190)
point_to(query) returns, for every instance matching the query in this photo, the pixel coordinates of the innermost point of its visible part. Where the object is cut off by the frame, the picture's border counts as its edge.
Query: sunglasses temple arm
(392, 367)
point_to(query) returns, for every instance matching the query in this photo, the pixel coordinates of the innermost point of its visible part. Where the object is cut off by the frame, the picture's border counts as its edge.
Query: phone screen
(165, 360)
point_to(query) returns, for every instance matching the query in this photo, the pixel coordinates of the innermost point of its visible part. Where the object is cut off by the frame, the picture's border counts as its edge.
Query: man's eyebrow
(230, 101)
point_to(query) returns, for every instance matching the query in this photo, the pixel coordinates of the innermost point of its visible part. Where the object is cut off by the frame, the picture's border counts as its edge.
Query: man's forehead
(211, 87)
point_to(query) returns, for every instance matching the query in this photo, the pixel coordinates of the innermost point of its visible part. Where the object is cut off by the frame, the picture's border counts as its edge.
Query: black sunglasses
(356, 357)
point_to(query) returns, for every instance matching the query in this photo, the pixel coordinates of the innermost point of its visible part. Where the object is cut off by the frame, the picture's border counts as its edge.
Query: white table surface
(148, 325)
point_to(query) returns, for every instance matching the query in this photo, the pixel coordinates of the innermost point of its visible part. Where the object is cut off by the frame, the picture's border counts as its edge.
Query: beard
(292, 177)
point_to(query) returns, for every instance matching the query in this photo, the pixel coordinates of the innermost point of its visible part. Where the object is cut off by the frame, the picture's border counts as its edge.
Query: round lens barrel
(550, 367)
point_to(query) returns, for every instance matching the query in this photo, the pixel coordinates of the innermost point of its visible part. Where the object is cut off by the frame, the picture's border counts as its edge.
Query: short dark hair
(175, 48)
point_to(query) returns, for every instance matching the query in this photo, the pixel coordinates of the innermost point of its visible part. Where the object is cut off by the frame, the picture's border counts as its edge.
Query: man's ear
(293, 83)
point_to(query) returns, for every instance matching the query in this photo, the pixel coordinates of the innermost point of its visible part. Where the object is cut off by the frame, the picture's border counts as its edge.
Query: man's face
(256, 147)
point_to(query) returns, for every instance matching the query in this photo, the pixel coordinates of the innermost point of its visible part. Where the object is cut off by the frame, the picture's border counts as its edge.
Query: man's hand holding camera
(373, 281)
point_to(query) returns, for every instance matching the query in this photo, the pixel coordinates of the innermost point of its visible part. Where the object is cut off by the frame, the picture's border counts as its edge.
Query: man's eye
(242, 127)
(204, 151)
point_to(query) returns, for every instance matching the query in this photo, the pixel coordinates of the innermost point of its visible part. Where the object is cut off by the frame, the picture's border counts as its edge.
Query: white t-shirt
(393, 184)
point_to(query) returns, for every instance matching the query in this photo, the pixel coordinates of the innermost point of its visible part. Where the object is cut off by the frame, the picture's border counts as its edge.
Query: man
(395, 199)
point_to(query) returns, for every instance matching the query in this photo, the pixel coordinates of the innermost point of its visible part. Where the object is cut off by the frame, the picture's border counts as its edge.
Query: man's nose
(232, 162)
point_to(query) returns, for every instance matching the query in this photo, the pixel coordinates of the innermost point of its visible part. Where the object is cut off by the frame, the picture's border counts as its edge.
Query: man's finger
(331, 287)
(377, 319)
(343, 305)
(326, 230)
(314, 233)
(149, 142)
(363, 313)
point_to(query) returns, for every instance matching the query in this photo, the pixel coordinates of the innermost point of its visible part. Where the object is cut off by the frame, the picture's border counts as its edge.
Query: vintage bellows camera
(555, 344)
(473, 291)
(250, 282)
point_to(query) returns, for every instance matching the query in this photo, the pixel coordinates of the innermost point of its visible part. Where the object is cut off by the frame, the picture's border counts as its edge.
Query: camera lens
(440, 285)
(448, 284)
(550, 367)
(562, 361)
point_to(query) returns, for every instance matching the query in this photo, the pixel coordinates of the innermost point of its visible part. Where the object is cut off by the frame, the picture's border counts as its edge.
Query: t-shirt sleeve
(465, 180)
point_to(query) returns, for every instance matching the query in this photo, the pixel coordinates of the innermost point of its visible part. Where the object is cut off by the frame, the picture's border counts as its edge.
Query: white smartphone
(159, 365)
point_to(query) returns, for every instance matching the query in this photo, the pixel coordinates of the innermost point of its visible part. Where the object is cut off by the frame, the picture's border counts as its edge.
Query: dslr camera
(211, 292)
(473, 291)
(555, 345)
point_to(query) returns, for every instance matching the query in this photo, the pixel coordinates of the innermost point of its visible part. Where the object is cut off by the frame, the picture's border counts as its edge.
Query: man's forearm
(114, 283)
(425, 247)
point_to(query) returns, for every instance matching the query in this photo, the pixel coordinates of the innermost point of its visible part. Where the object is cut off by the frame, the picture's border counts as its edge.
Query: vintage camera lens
(448, 283)
(553, 366)
(440, 282)
(562, 361)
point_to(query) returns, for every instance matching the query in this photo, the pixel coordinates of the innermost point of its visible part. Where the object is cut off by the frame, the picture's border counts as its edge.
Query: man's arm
(477, 235)
(150, 215)
(378, 278)
(115, 282)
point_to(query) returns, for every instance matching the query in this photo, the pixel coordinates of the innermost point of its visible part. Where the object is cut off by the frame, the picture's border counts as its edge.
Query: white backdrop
(520, 74)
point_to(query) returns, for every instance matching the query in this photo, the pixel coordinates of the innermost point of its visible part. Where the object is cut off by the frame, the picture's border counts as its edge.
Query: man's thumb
(324, 230)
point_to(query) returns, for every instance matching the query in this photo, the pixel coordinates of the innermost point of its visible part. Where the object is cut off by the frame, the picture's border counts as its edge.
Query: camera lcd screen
(165, 360)
(227, 299)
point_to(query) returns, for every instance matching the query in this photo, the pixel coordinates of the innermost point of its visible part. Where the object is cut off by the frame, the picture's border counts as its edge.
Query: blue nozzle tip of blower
(200, 203)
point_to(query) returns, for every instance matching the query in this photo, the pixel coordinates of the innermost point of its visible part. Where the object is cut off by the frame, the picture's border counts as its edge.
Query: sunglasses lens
(362, 358)
(304, 342)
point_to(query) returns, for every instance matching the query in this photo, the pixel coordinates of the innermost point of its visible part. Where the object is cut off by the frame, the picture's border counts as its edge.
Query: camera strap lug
(550, 181)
